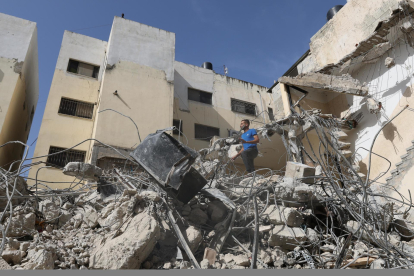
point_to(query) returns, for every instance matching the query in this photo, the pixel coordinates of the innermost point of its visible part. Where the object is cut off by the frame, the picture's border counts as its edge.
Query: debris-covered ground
(322, 216)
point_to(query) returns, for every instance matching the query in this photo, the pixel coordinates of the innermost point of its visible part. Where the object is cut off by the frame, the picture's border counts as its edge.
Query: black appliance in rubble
(169, 162)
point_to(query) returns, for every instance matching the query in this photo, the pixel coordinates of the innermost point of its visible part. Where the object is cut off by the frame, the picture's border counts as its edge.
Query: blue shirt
(248, 136)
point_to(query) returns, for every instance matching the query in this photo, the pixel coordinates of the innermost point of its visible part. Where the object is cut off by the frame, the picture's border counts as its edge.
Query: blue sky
(257, 40)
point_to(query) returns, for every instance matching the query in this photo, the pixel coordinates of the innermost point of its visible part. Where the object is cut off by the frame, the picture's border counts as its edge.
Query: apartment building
(19, 85)
(110, 95)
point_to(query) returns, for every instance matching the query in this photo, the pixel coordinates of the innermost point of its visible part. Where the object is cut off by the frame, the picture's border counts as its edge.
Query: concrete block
(210, 255)
(287, 237)
(298, 170)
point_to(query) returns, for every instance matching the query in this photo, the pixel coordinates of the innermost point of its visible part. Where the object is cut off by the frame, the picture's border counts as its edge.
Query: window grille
(82, 68)
(243, 107)
(205, 132)
(200, 96)
(76, 108)
(61, 159)
(176, 123)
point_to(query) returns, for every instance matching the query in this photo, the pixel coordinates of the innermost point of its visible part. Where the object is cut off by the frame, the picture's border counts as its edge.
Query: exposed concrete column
(285, 99)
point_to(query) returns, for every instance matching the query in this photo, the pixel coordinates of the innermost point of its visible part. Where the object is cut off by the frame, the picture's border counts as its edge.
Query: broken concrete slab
(375, 53)
(292, 216)
(327, 83)
(136, 243)
(21, 188)
(12, 256)
(82, 171)
(49, 209)
(21, 225)
(40, 259)
(287, 237)
(298, 171)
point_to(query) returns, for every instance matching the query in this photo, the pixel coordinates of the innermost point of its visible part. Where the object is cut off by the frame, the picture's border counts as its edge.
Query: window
(206, 132)
(271, 116)
(76, 108)
(82, 68)
(176, 123)
(243, 107)
(200, 96)
(61, 159)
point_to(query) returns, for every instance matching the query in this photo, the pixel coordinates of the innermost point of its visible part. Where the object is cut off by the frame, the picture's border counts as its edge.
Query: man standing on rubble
(249, 152)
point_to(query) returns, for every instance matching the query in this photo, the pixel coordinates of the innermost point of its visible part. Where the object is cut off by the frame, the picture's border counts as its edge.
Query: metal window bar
(176, 123)
(76, 108)
(61, 159)
(243, 107)
(205, 132)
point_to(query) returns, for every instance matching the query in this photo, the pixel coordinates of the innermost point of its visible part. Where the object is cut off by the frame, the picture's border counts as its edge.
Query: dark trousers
(248, 157)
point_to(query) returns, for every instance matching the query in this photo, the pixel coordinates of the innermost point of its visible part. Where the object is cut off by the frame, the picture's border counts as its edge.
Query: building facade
(19, 85)
(110, 95)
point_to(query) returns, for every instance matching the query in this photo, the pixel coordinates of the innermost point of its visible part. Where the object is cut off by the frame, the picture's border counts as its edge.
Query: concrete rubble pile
(305, 217)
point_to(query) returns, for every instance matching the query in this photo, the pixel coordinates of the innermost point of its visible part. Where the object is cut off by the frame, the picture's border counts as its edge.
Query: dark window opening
(205, 132)
(63, 158)
(82, 68)
(176, 123)
(200, 96)
(76, 108)
(243, 107)
(271, 116)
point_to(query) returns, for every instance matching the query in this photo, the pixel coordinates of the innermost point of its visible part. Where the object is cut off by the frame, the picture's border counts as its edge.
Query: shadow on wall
(1, 75)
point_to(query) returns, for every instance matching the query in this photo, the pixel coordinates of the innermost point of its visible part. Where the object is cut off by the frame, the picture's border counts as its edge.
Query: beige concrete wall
(65, 131)
(144, 94)
(352, 24)
(13, 117)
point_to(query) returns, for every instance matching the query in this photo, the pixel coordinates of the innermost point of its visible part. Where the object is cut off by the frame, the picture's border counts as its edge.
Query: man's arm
(238, 154)
(254, 141)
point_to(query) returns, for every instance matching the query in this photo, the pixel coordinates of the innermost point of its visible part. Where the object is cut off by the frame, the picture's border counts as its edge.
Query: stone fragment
(378, 264)
(82, 171)
(12, 256)
(293, 217)
(40, 259)
(286, 237)
(204, 264)
(194, 237)
(4, 265)
(167, 266)
(241, 260)
(312, 235)
(115, 219)
(217, 211)
(151, 195)
(265, 257)
(389, 62)
(210, 255)
(198, 217)
(21, 225)
(136, 243)
(90, 216)
(24, 246)
(21, 188)
(298, 171)
(14, 244)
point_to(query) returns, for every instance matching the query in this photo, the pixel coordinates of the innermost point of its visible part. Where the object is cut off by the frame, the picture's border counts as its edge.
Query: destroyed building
(19, 84)
(339, 200)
